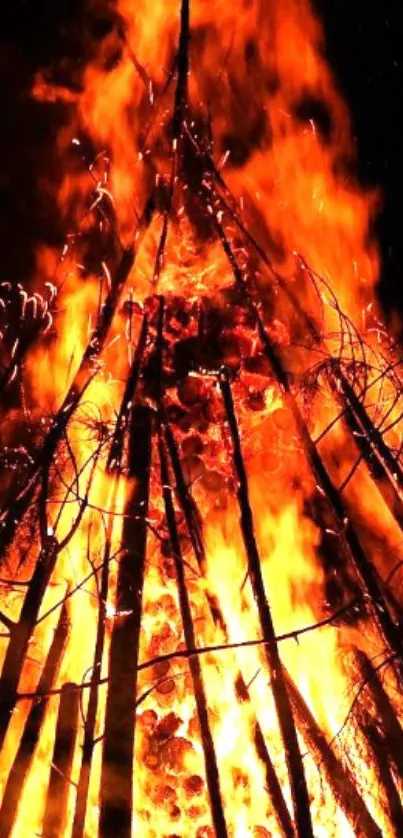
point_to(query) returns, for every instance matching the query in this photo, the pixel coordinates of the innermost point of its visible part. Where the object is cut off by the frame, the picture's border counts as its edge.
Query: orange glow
(249, 232)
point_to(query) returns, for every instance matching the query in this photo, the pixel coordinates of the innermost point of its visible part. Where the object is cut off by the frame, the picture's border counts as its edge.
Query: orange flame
(281, 143)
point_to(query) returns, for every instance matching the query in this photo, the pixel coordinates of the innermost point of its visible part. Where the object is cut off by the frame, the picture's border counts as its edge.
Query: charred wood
(212, 775)
(21, 632)
(299, 789)
(120, 717)
(385, 458)
(59, 783)
(123, 420)
(339, 779)
(90, 720)
(375, 452)
(390, 799)
(210, 760)
(384, 711)
(284, 822)
(194, 526)
(26, 750)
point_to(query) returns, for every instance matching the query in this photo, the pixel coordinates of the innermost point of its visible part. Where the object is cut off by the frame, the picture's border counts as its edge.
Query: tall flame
(219, 279)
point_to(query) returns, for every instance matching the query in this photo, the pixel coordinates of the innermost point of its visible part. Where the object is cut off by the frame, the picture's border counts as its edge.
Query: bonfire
(201, 495)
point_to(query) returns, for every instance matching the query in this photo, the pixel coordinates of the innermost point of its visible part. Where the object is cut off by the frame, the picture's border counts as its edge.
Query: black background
(365, 49)
(364, 46)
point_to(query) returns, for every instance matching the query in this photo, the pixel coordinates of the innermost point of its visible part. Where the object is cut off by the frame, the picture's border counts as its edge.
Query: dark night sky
(365, 48)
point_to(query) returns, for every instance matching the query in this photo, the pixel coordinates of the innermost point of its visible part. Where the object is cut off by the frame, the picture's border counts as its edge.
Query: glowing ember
(201, 498)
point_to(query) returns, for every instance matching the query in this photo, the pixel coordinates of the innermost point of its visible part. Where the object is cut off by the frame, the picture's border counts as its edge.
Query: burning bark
(25, 753)
(65, 742)
(202, 456)
(117, 766)
(292, 751)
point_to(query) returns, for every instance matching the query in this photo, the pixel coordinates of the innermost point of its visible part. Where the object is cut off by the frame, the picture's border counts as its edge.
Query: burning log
(126, 414)
(122, 422)
(337, 776)
(383, 466)
(209, 318)
(26, 749)
(63, 753)
(295, 767)
(193, 522)
(20, 632)
(212, 775)
(120, 718)
(388, 791)
(390, 466)
(90, 720)
(191, 515)
(367, 575)
(190, 511)
(284, 822)
(114, 465)
(385, 713)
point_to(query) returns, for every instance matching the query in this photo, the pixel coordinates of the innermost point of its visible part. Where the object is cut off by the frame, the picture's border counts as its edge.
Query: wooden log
(371, 446)
(113, 466)
(384, 710)
(26, 749)
(21, 632)
(338, 777)
(389, 798)
(386, 461)
(284, 823)
(181, 92)
(296, 773)
(210, 761)
(54, 822)
(120, 716)
(184, 496)
(91, 717)
(194, 526)
(180, 103)
(123, 420)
